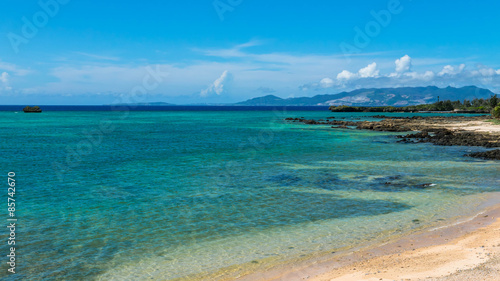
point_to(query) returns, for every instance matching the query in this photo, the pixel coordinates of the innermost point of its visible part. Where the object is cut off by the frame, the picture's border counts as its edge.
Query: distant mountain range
(158, 103)
(378, 97)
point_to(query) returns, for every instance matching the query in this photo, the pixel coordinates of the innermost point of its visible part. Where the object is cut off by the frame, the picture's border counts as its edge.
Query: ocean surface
(199, 193)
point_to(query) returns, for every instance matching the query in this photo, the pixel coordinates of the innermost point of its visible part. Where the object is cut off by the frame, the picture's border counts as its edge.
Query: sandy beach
(480, 126)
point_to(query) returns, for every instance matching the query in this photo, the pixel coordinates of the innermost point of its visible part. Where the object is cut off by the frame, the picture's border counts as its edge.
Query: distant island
(34, 109)
(396, 97)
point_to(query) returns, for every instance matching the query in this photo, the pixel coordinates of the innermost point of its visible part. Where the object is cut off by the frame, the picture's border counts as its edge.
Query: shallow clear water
(104, 195)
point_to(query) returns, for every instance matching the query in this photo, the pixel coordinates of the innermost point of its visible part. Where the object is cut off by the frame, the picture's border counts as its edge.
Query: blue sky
(100, 52)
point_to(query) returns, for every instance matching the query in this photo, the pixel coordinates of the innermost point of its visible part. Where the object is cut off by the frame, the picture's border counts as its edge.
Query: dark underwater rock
(311, 122)
(450, 138)
(490, 155)
(285, 180)
(397, 183)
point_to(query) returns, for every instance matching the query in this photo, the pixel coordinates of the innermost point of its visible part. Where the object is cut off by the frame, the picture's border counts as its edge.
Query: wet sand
(474, 255)
(467, 249)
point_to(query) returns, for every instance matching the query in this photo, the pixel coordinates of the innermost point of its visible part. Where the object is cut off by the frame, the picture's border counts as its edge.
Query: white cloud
(403, 64)
(426, 76)
(236, 51)
(346, 75)
(17, 70)
(485, 72)
(369, 71)
(99, 57)
(4, 77)
(451, 70)
(365, 72)
(326, 83)
(251, 43)
(447, 70)
(217, 86)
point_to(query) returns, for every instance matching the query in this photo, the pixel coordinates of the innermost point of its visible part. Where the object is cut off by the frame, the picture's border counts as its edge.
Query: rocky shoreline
(435, 130)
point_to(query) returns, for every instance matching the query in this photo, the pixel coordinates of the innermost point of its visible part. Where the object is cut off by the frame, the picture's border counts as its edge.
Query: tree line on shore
(491, 105)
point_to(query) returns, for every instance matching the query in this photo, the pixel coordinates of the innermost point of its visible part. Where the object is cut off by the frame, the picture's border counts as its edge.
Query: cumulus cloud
(326, 83)
(346, 75)
(217, 87)
(365, 72)
(403, 64)
(451, 70)
(369, 71)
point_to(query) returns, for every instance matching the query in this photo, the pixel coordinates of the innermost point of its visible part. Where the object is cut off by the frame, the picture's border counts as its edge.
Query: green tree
(496, 112)
(457, 104)
(494, 101)
(448, 106)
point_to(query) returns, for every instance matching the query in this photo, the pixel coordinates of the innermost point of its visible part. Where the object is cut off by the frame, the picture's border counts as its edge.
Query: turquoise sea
(208, 195)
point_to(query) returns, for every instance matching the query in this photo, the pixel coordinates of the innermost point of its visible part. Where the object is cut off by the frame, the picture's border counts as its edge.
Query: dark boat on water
(34, 109)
